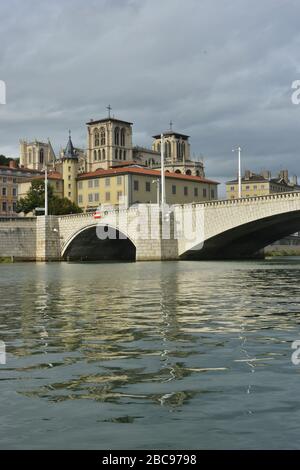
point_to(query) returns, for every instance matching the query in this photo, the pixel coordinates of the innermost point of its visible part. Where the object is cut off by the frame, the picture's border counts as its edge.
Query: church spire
(70, 151)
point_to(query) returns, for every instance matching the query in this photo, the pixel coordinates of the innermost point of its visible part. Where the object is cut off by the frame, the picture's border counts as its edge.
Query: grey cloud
(220, 69)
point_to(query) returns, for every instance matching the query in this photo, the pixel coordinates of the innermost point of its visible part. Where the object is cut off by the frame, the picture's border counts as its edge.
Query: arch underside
(86, 246)
(247, 241)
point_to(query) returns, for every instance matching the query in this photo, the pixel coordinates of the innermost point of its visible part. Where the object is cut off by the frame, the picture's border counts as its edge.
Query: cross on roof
(109, 109)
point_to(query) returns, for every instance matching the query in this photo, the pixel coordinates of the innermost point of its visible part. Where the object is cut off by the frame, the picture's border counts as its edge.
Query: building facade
(132, 185)
(10, 178)
(261, 184)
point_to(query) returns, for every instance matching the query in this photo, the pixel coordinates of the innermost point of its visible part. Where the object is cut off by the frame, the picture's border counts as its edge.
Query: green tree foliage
(35, 197)
(4, 161)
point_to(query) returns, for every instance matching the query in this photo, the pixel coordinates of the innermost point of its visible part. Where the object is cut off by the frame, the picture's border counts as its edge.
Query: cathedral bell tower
(109, 142)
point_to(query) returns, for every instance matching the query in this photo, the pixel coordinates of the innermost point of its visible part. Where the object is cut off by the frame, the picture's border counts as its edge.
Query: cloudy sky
(222, 70)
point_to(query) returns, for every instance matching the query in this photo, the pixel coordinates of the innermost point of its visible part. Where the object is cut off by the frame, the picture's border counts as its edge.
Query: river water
(155, 355)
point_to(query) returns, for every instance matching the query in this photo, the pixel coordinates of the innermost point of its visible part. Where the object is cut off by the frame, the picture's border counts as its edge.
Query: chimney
(266, 174)
(13, 164)
(284, 174)
(247, 174)
(294, 180)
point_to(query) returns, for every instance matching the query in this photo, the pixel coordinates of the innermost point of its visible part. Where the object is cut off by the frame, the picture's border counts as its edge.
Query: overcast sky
(220, 69)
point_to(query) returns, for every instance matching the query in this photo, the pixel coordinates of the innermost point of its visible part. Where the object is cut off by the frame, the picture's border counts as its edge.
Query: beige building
(54, 180)
(261, 184)
(110, 149)
(10, 178)
(133, 184)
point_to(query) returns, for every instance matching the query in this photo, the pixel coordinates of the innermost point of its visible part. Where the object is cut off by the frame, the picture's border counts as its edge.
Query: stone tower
(36, 155)
(109, 142)
(69, 167)
(177, 153)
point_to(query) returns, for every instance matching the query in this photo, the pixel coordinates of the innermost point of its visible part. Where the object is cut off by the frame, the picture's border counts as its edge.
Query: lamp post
(239, 171)
(46, 191)
(163, 193)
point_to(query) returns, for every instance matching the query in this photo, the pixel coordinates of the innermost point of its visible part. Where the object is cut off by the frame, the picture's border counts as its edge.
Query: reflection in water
(206, 343)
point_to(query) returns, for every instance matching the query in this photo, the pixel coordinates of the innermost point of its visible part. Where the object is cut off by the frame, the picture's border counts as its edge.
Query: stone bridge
(225, 229)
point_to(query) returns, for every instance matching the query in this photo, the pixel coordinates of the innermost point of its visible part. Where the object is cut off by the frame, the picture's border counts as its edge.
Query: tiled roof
(142, 171)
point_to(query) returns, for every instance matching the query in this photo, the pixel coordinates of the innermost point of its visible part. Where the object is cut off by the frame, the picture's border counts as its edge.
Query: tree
(4, 160)
(35, 197)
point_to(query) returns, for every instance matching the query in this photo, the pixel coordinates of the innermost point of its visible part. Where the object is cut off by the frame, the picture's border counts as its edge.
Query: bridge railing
(245, 200)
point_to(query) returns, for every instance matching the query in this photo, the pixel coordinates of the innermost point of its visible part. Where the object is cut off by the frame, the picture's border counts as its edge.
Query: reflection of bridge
(228, 229)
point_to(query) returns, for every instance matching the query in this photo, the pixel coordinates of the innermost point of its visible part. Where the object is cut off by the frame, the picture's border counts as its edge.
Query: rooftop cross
(109, 108)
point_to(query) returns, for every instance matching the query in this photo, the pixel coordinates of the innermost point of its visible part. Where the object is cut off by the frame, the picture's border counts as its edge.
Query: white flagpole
(163, 195)
(240, 175)
(46, 192)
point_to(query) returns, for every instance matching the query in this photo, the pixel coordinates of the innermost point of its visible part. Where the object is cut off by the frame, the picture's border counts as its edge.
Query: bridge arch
(246, 240)
(85, 245)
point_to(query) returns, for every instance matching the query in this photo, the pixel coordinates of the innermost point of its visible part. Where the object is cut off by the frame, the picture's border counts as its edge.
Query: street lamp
(239, 171)
(163, 194)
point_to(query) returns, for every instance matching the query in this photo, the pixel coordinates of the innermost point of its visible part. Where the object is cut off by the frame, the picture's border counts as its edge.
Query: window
(204, 192)
(96, 138)
(102, 136)
(80, 199)
(117, 136)
(14, 192)
(119, 195)
(148, 186)
(69, 169)
(90, 183)
(107, 181)
(96, 196)
(4, 206)
(90, 197)
(69, 194)
(212, 193)
(136, 185)
(107, 196)
(262, 186)
(123, 137)
(4, 191)
(119, 179)
(69, 177)
(124, 155)
(173, 189)
(196, 192)
(254, 187)
(232, 188)
(14, 180)
(69, 186)
(185, 190)
(41, 156)
(80, 185)
(4, 180)
(96, 183)
(57, 185)
(14, 206)
(103, 154)
(95, 155)
(247, 188)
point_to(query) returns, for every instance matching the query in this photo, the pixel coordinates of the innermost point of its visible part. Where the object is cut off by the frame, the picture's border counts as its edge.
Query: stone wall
(18, 239)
